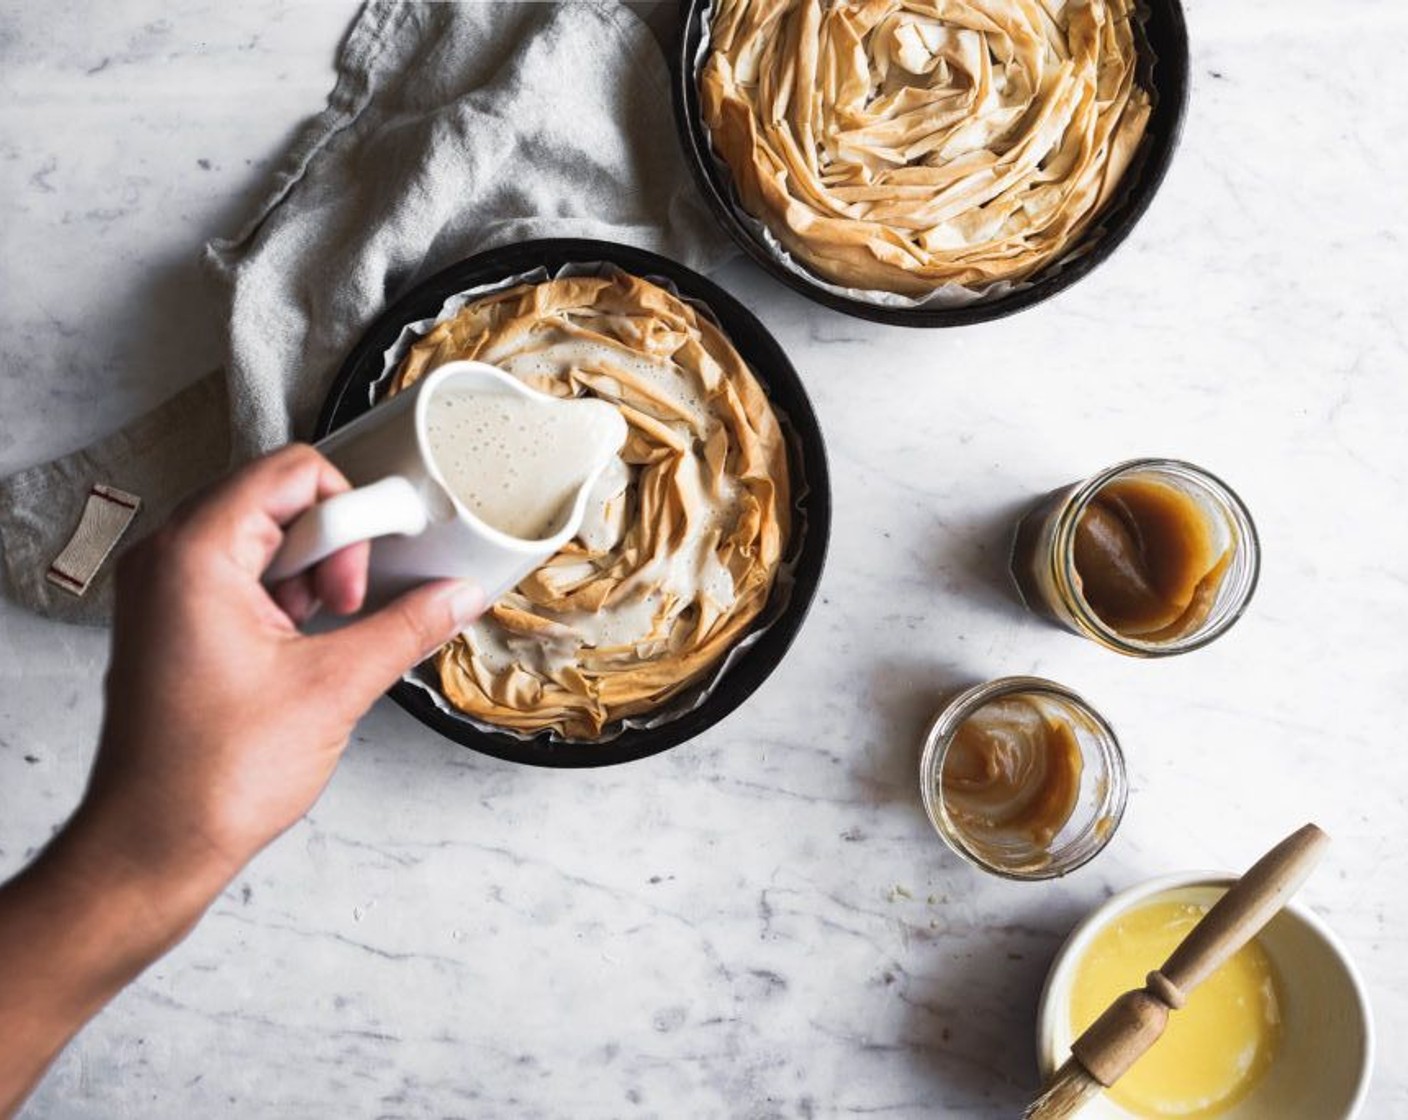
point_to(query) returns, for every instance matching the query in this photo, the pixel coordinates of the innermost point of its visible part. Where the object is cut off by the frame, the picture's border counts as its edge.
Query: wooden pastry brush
(1134, 1022)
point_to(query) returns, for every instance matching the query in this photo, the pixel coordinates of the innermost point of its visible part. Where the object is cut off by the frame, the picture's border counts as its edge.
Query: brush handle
(1134, 1022)
(1240, 914)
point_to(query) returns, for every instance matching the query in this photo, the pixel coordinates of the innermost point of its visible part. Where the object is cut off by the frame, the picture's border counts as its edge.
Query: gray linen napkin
(451, 128)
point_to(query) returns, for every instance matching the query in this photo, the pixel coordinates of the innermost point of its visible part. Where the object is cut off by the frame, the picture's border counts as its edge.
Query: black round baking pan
(1162, 37)
(350, 396)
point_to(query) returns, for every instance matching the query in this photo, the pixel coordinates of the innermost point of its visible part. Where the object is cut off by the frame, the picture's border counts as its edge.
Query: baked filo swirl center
(683, 535)
(900, 145)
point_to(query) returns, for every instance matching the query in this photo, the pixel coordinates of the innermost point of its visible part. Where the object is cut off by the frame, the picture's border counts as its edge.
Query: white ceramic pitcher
(401, 502)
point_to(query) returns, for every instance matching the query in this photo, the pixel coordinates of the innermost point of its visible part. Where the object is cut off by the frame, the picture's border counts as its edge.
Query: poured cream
(679, 395)
(519, 462)
(1216, 1048)
(649, 599)
(638, 616)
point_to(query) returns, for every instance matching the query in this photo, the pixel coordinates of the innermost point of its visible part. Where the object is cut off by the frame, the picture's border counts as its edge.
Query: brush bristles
(1066, 1094)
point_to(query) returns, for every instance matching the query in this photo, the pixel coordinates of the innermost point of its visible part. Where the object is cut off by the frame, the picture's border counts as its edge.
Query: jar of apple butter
(1148, 558)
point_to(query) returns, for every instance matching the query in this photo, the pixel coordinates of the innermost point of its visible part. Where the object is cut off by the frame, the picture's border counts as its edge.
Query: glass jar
(1097, 797)
(1044, 556)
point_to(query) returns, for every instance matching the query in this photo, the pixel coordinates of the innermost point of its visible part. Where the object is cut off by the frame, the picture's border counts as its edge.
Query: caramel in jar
(1148, 560)
(1149, 557)
(1023, 778)
(1011, 776)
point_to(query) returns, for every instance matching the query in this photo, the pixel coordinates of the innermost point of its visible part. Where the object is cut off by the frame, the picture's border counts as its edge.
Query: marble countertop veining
(761, 922)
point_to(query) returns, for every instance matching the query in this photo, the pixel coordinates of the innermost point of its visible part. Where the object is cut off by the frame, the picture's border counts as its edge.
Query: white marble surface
(761, 922)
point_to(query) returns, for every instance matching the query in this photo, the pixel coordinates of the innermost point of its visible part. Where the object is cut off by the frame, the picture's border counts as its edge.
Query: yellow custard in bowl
(1216, 1048)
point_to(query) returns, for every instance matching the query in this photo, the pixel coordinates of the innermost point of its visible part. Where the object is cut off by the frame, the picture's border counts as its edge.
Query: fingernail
(466, 603)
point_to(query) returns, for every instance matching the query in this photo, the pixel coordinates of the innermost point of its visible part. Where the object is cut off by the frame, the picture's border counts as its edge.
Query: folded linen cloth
(451, 128)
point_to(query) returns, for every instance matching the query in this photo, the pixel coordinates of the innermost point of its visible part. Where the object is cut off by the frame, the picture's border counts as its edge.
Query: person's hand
(223, 724)
(223, 721)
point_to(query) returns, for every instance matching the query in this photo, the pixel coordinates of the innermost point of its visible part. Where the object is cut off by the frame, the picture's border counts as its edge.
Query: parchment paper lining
(949, 294)
(426, 678)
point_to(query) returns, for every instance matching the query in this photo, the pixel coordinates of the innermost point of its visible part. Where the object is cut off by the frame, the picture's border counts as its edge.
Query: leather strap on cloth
(106, 516)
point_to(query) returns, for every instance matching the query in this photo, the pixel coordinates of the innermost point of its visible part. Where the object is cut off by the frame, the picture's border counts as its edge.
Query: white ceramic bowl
(1322, 1067)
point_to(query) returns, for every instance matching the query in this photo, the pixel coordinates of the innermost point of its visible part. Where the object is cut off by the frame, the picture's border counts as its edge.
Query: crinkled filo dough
(899, 145)
(683, 534)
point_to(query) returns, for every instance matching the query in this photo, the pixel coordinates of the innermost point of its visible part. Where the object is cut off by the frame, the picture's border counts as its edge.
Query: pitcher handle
(392, 505)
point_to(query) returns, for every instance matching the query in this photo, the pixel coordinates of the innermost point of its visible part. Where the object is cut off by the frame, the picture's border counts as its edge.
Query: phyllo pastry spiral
(901, 145)
(684, 533)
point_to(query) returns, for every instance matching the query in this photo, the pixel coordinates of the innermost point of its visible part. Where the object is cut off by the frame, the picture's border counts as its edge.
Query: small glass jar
(1043, 559)
(1099, 796)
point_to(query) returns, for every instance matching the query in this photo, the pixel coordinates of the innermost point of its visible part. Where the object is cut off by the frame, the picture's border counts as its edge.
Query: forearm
(83, 920)
(223, 725)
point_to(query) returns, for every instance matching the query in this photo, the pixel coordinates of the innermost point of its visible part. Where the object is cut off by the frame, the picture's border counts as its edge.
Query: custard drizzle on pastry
(684, 532)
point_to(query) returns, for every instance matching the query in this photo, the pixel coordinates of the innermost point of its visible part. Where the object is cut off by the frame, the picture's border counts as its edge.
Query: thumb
(374, 651)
